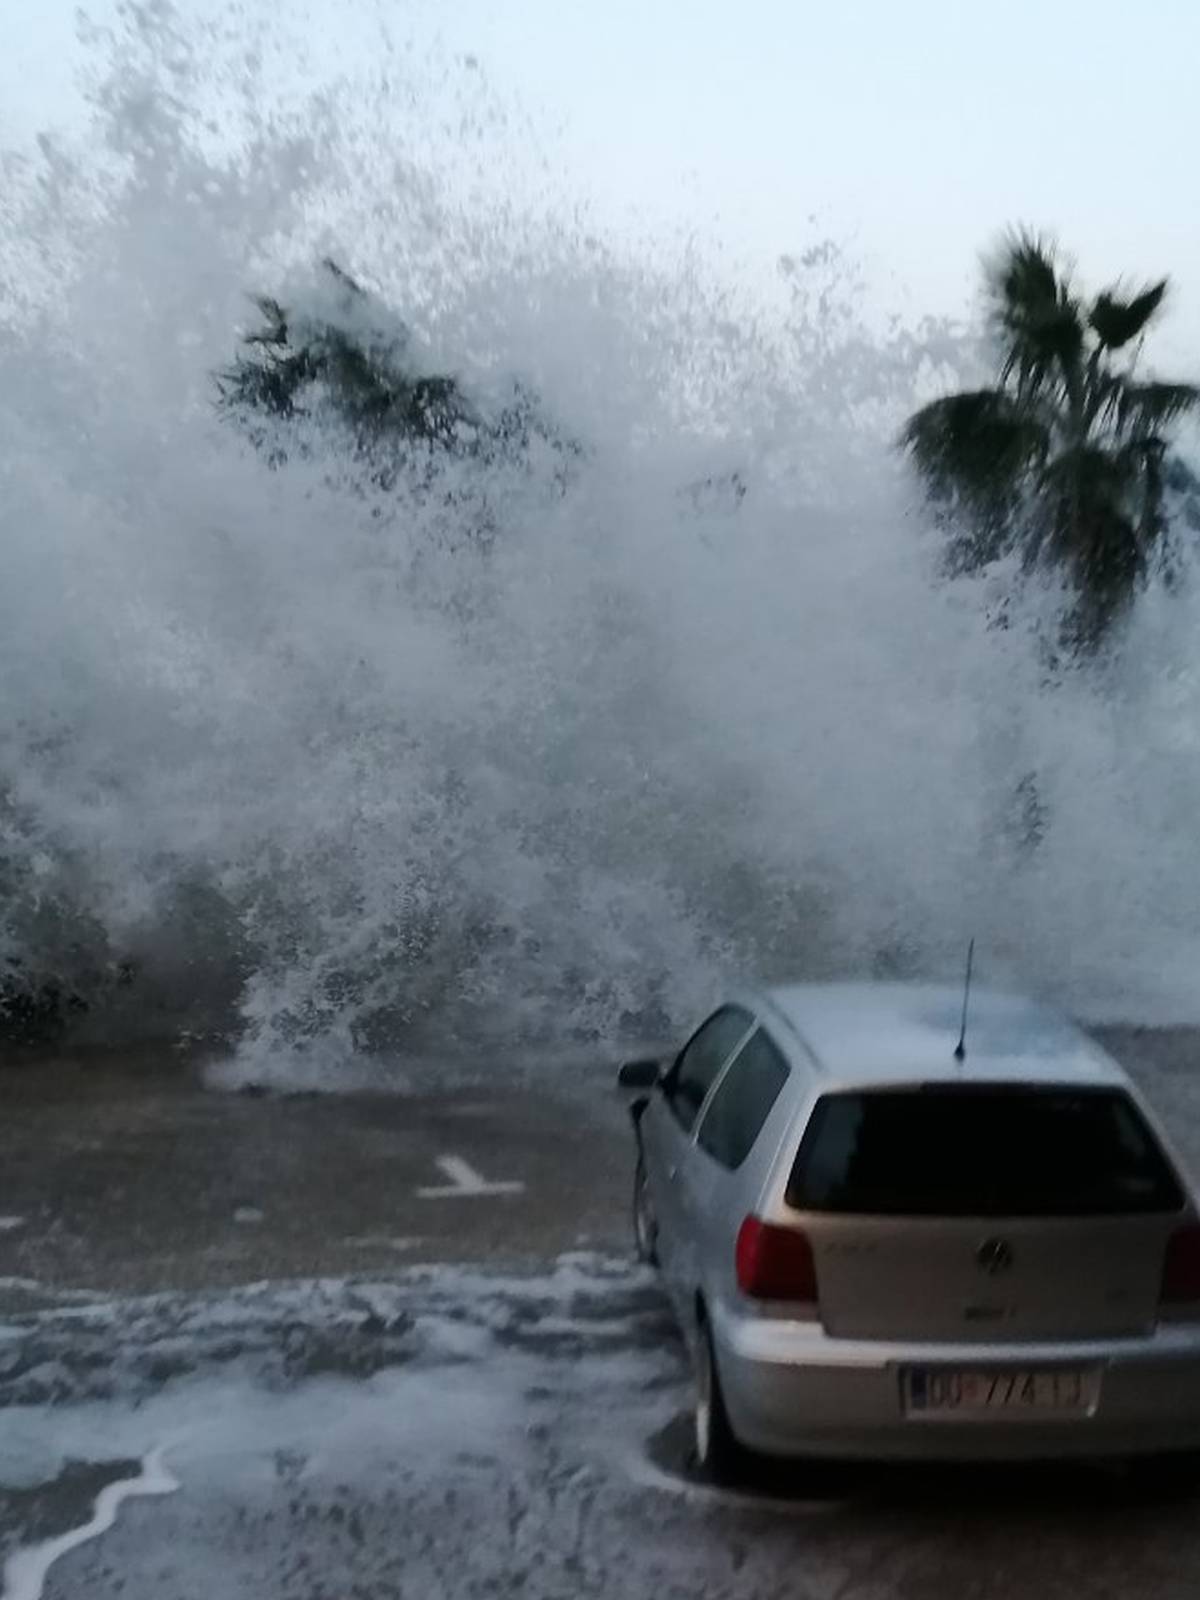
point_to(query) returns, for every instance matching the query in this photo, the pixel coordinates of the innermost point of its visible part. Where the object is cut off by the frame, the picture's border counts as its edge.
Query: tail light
(775, 1263)
(1181, 1266)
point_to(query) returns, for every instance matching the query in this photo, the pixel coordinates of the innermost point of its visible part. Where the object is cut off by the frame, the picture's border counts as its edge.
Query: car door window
(743, 1101)
(701, 1059)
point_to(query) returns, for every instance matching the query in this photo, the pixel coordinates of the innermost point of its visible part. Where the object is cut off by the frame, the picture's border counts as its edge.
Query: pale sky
(912, 130)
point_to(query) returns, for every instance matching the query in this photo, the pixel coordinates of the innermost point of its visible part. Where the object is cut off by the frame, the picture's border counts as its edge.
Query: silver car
(879, 1247)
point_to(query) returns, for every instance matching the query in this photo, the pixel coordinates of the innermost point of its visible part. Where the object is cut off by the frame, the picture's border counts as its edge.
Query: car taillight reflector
(775, 1263)
(1181, 1266)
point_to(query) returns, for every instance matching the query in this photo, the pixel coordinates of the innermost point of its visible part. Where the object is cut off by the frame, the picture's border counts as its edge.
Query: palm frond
(1091, 476)
(1100, 531)
(977, 445)
(271, 384)
(275, 323)
(1066, 460)
(1035, 315)
(1143, 408)
(1116, 320)
(1104, 391)
(352, 285)
(1022, 276)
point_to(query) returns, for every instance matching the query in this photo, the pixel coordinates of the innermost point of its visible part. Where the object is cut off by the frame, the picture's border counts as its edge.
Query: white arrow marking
(464, 1180)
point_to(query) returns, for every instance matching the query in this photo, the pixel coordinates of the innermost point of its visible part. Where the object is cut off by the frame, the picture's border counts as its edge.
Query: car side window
(743, 1101)
(701, 1059)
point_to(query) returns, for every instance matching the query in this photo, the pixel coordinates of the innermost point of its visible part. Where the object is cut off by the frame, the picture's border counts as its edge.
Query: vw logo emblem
(994, 1256)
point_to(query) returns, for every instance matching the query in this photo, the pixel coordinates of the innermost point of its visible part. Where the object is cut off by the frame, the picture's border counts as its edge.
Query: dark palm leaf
(1103, 529)
(1091, 475)
(1104, 391)
(1149, 459)
(1143, 408)
(1066, 460)
(1022, 276)
(272, 385)
(275, 323)
(1116, 321)
(434, 409)
(977, 444)
(1036, 317)
(352, 285)
(1045, 352)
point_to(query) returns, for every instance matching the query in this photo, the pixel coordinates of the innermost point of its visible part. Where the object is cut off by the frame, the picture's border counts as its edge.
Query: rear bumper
(791, 1390)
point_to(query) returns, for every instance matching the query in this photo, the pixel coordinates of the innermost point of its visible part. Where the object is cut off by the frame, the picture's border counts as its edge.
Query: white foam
(26, 1570)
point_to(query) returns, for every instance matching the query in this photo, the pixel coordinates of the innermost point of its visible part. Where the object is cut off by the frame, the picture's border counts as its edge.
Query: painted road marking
(382, 1241)
(464, 1180)
(11, 1224)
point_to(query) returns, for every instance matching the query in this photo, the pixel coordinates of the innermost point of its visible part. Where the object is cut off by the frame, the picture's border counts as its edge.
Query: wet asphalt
(133, 1203)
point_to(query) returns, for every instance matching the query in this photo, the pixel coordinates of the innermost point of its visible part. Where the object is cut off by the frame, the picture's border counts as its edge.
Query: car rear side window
(702, 1058)
(981, 1151)
(743, 1101)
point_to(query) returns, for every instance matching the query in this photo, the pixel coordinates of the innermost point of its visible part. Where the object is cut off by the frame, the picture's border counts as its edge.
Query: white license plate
(1009, 1392)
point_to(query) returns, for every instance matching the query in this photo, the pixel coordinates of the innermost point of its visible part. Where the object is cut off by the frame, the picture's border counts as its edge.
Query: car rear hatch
(985, 1212)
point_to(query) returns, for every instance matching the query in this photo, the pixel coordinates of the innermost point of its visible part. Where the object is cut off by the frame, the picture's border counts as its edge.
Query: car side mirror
(639, 1075)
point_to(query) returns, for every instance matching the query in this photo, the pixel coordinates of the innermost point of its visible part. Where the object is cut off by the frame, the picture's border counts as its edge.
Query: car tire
(645, 1223)
(720, 1459)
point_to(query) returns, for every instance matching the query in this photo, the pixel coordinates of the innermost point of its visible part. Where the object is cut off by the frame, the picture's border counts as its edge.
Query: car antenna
(960, 1049)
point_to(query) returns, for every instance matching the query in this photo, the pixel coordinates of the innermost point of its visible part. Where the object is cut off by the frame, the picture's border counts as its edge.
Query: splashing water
(317, 751)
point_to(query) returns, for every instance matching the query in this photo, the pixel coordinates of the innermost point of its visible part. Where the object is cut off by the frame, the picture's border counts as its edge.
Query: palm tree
(1063, 461)
(352, 362)
(362, 371)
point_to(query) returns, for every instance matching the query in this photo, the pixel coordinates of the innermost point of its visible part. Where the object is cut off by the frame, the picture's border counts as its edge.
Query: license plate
(945, 1393)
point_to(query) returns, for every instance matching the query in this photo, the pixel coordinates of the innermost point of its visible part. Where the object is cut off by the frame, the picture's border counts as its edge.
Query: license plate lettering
(949, 1392)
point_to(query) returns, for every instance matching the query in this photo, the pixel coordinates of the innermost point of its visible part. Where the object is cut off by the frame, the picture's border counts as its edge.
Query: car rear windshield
(981, 1151)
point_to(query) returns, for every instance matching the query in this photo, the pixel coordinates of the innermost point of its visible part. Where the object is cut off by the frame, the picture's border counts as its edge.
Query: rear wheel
(719, 1456)
(645, 1223)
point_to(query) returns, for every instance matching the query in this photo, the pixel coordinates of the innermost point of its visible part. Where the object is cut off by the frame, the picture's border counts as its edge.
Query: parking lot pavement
(235, 1282)
(135, 1183)
(452, 1433)
(131, 1178)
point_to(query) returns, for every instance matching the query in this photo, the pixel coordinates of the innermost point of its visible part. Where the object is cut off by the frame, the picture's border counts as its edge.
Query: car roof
(875, 1033)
